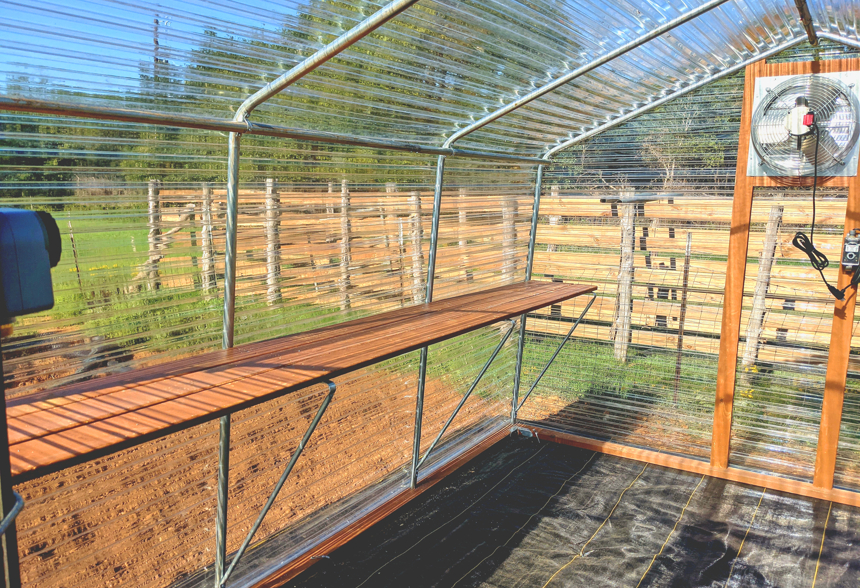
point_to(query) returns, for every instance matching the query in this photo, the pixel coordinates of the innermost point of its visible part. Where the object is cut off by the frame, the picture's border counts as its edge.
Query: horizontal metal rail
(298, 452)
(466, 396)
(676, 94)
(557, 351)
(246, 128)
(13, 513)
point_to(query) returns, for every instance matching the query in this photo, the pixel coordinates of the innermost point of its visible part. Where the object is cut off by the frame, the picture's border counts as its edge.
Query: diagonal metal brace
(557, 351)
(466, 396)
(326, 401)
(13, 513)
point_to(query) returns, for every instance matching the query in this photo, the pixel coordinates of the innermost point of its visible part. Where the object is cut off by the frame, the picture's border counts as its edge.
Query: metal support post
(10, 502)
(469, 392)
(296, 454)
(518, 370)
(428, 298)
(557, 351)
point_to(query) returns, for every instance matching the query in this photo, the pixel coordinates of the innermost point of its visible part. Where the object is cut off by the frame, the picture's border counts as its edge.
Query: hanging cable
(805, 243)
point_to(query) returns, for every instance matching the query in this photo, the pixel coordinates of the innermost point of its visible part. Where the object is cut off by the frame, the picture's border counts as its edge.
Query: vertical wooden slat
(345, 247)
(154, 235)
(736, 267)
(417, 234)
(621, 325)
(837, 362)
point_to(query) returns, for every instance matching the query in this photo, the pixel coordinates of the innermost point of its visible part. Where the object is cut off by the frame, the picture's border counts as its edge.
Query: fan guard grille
(836, 113)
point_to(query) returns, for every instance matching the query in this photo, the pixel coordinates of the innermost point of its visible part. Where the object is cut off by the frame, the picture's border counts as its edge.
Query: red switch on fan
(808, 119)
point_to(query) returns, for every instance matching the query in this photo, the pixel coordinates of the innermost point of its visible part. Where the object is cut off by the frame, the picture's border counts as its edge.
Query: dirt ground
(146, 516)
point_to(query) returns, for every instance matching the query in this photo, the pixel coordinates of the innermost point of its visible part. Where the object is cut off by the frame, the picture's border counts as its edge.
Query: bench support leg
(221, 508)
(296, 454)
(468, 393)
(529, 265)
(557, 351)
(428, 297)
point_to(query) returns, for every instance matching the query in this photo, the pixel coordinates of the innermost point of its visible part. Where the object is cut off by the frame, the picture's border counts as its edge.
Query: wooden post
(206, 241)
(683, 314)
(553, 219)
(384, 206)
(417, 234)
(401, 254)
(621, 325)
(509, 238)
(329, 208)
(765, 265)
(273, 242)
(837, 361)
(192, 225)
(153, 281)
(345, 253)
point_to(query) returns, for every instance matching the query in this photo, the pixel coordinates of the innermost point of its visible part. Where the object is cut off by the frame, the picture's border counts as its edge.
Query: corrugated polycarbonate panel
(785, 333)
(618, 212)
(325, 235)
(435, 68)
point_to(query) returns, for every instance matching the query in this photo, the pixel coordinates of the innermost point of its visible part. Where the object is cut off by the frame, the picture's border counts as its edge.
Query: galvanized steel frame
(240, 125)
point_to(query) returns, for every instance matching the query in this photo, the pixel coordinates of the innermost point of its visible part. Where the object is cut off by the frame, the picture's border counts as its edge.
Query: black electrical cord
(818, 260)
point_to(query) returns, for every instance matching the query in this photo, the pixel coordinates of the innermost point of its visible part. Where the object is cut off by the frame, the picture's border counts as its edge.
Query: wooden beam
(736, 267)
(837, 362)
(695, 466)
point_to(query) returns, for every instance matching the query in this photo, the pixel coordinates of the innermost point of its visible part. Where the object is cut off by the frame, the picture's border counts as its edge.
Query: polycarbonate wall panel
(435, 68)
(325, 235)
(618, 212)
(785, 333)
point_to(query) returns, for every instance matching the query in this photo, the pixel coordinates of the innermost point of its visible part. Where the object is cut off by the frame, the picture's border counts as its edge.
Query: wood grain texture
(736, 269)
(694, 466)
(96, 418)
(305, 560)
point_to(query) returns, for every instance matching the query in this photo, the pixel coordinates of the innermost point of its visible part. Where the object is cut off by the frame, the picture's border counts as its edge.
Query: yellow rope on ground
(683, 510)
(528, 521)
(581, 551)
(737, 555)
(821, 549)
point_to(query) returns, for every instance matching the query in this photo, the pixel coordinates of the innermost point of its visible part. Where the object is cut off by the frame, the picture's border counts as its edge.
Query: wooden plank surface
(91, 419)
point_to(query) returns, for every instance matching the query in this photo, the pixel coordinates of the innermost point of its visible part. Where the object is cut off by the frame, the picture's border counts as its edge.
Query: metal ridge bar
(557, 351)
(840, 39)
(569, 77)
(249, 128)
(353, 35)
(676, 94)
(468, 393)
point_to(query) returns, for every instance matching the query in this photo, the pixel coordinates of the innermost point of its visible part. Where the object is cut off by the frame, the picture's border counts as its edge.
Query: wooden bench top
(72, 424)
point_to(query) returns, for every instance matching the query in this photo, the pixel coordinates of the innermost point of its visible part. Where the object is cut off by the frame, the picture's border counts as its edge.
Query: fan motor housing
(835, 100)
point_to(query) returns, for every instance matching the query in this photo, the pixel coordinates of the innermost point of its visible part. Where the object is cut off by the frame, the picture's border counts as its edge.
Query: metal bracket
(557, 351)
(296, 454)
(468, 393)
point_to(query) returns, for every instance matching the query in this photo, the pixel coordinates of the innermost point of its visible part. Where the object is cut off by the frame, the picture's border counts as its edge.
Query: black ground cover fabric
(536, 514)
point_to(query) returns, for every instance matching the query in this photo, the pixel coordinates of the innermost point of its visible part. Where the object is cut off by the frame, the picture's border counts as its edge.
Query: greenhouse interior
(484, 293)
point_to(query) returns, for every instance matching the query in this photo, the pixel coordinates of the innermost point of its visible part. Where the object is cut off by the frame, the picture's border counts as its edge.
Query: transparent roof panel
(434, 69)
